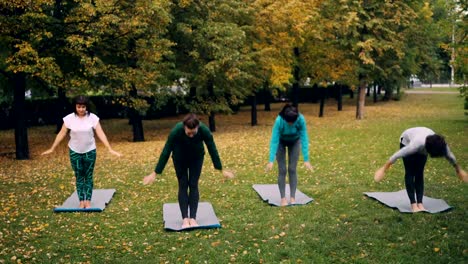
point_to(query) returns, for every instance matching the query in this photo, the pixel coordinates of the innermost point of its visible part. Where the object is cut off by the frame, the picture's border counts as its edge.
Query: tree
(123, 52)
(370, 30)
(277, 39)
(211, 53)
(24, 35)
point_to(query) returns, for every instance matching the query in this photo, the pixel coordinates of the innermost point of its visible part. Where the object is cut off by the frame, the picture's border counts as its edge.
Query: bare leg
(193, 222)
(185, 223)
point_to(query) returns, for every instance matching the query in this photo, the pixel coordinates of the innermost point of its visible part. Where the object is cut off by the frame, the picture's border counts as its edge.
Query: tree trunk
(212, 122)
(211, 118)
(136, 121)
(295, 86)
(361, 100)
(253, 111)
(375, 92)
(322, 101)
(21, 130)
(340, 97)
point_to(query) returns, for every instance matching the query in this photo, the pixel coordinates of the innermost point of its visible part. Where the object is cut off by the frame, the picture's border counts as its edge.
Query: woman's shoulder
(93, 117)
(70, 116)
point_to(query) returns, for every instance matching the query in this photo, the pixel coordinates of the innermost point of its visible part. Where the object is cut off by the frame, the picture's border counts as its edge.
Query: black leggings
(188, 172)
(414, 175)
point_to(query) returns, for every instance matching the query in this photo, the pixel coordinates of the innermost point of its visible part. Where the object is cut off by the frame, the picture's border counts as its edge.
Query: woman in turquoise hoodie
(289, 132)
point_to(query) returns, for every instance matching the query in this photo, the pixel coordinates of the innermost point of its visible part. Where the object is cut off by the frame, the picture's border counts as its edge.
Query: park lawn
(341, 225)
(437, 89)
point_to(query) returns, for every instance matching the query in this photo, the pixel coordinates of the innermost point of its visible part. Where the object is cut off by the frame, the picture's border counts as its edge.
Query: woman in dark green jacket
(185, 142)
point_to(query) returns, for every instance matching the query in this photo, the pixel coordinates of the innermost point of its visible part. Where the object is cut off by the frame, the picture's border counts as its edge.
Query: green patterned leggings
(83, 165)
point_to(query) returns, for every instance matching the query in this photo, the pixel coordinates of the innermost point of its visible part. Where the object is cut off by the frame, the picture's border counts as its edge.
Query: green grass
(341, 225)
(438, 89)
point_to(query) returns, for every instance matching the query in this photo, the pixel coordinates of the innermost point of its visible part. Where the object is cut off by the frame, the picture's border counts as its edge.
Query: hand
(269, 166)
(48, 151)
(308, 165)
(113, 152)
(149, 179)
(462, 175)
(228, 174)
(379, 174)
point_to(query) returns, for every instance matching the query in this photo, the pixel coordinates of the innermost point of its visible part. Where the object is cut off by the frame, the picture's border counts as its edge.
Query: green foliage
(212, 53)
(112, 47)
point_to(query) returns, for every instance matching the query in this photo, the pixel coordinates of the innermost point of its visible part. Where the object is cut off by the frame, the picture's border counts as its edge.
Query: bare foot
(292, 200)
(284, 202)
(421, 207)
(82, 204)
(415, 208)
(193, 222)
(185, 223)
(87, 204)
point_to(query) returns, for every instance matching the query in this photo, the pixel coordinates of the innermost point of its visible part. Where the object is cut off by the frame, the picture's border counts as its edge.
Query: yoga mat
(206, 217)
(401, 201)
(270, 194)
(99, 200)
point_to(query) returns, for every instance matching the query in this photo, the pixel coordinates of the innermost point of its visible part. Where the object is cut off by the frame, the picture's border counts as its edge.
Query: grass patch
(438, 89)
(341, 225)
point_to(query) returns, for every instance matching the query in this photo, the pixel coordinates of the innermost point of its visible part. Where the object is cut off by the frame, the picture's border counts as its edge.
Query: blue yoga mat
(400, 201)
(270, 194)
(99, 200)
(206, 217)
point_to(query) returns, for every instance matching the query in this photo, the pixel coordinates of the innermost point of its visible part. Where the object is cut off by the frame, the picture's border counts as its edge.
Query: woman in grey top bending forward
(415, 144)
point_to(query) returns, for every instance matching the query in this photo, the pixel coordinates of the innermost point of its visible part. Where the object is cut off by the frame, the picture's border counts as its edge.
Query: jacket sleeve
(210, 144)
(450, 157)
(304, 138)
(166, 152)
(405, 151)
(275, 137)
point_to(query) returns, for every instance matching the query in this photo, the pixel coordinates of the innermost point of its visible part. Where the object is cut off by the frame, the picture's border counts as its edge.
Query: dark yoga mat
(206, 217)
(270, 194)
(99, 200)
(400, 201)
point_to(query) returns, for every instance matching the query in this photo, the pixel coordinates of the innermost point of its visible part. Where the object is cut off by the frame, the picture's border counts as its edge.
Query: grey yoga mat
(401, 201)
(99, 200)
(206, 217)
(270, 194)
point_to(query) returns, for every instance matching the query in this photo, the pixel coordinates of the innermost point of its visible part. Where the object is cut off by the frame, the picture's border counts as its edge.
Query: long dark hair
(81, 100)
(289, 113)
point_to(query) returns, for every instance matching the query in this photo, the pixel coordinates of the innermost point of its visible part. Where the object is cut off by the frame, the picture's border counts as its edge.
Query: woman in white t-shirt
(82, 124)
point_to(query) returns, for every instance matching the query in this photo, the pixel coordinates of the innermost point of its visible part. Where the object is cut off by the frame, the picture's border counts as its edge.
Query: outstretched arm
(462, 175)
(102, 136)
(60, 136)
(380, 173)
